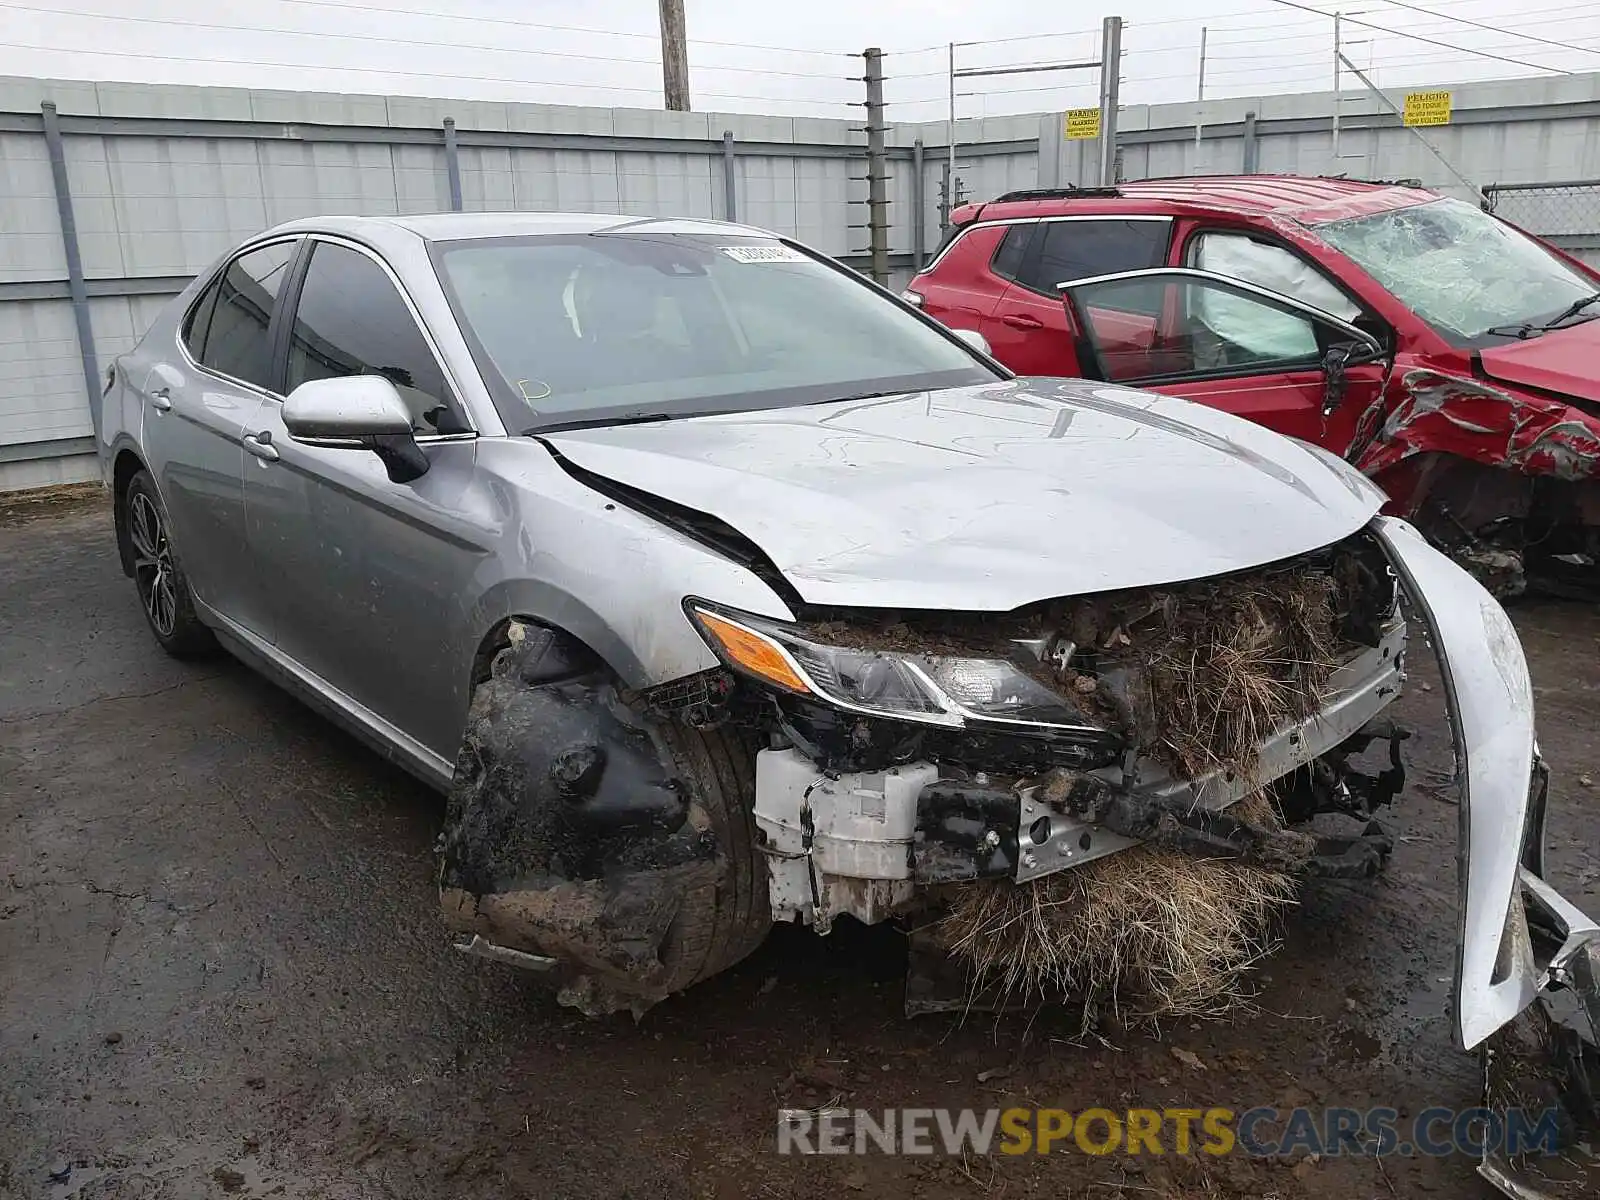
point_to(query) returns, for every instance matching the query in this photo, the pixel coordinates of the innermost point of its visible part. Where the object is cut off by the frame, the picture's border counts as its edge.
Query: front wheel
(162, 587)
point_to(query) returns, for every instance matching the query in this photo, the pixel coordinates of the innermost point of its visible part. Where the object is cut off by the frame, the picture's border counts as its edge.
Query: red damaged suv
(1452, 357)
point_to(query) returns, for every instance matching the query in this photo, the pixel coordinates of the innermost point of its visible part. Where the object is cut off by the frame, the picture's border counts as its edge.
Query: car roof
(454, 226)
(1309, 199)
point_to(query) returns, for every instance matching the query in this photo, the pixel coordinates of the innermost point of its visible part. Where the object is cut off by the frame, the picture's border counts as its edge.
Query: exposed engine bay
(1133, 717)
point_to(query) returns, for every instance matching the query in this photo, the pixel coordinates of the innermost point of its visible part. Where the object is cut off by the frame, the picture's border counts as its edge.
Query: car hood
(991, 497)
(1563, 360)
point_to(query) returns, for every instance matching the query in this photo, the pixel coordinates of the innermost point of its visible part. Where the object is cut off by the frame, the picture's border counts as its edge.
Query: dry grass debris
(1150, 932)
(1200, 676)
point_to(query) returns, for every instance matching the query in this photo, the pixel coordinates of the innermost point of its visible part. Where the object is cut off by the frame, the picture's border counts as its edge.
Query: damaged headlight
(932, 689)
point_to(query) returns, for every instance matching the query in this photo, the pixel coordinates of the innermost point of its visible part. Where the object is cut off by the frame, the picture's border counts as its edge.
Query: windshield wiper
(869, 396)
(1529, 328)
(627, 418)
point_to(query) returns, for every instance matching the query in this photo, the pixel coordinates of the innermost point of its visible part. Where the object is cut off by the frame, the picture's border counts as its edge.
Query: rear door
(960, 288)
(197, 403)
(1245, 350)
(1029, 330)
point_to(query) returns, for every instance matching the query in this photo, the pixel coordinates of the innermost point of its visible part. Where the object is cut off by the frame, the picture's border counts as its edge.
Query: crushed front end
(907, 753)
(1505, 478)
(910, 752)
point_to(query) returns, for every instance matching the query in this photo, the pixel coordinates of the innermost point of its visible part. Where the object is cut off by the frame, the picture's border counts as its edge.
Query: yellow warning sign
(1084, 123)
(1427, 108)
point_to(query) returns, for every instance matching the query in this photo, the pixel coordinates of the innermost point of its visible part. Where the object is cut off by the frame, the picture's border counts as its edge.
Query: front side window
(623, 325)
(1458, 268)
(1181, 339)
(226, 330)
(351, 320)
(1269, 266)
(1069, 250)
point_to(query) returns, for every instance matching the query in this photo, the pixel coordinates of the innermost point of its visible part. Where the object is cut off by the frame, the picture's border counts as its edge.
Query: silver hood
(988, 498)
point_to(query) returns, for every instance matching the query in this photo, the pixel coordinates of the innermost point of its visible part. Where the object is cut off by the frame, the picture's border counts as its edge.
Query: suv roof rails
(1061, 193)
(1415, 183)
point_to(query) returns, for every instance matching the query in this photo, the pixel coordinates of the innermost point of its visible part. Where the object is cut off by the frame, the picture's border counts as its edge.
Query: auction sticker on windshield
(763, 254)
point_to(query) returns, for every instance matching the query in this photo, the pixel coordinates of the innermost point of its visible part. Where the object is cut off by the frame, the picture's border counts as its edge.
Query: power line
(1031, 37)
(1527, 37)
(456, 18)
(251, 62)
(399, 41)
(1417, 37)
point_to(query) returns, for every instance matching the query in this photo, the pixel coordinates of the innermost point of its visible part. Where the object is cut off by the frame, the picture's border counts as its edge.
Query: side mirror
(974, 339)
(1333, 383)
(357, 412)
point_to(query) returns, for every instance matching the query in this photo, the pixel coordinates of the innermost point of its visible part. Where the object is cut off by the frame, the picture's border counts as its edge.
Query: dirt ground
(222, 971)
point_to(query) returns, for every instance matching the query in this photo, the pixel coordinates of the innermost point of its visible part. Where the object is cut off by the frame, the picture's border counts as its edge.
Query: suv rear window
(1071, 250)
(1007, 260)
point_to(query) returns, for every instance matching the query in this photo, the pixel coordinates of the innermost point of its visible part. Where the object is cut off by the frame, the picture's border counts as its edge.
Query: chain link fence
(1565, 214)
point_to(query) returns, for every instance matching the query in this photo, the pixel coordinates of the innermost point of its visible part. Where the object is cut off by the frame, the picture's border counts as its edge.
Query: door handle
(1021, 321)
(161, 399)
(260, 444)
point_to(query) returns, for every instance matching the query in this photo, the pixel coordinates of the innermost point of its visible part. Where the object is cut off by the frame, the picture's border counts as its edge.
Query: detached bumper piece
(1542, 1071)
(1527, 988)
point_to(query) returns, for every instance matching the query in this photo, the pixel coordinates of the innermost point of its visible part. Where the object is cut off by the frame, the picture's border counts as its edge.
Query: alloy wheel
(153, 569)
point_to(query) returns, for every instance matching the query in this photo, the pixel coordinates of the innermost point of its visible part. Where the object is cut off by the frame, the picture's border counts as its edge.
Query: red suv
(1452, 357)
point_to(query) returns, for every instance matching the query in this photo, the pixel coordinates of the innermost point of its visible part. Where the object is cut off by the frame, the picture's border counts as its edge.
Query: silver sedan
(644, 539)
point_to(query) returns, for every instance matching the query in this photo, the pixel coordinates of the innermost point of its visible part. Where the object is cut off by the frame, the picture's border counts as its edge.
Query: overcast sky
(788, 58)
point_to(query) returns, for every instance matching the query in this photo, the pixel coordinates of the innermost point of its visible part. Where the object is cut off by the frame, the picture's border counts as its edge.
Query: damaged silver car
(717, 586)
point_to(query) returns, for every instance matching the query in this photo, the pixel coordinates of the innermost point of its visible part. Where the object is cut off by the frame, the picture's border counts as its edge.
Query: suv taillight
(911, 297)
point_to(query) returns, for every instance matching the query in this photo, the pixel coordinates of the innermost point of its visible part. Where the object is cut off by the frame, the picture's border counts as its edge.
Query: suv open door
(1230, 345)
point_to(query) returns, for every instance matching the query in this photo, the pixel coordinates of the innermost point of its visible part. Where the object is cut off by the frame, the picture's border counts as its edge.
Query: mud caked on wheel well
(583, 829)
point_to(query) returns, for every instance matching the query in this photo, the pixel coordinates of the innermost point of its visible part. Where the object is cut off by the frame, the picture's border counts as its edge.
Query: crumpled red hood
(1563, 360)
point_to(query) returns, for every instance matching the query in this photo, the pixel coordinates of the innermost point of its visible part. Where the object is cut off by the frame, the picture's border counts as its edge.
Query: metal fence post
(76, 288)
(877, 168)
(452, 164)
(1252, 148)
(730, 179)
(1110, 93)
(919, 214)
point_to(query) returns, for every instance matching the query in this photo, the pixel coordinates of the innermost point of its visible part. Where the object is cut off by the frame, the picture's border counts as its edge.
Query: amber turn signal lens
(749, 650)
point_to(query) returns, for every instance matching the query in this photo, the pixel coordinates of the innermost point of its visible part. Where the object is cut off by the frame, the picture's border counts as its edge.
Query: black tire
(718, 926)
(157, 576)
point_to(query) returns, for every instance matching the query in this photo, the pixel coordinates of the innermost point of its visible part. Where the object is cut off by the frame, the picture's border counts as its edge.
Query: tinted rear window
(1068, 250)
(227, 329)
(1008, 257)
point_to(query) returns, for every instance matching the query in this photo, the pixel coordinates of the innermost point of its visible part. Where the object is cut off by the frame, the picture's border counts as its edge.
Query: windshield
(1458, 268)
(638, 325)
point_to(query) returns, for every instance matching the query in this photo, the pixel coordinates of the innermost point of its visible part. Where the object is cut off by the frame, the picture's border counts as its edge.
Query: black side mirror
(400, 455)
(1333, 384)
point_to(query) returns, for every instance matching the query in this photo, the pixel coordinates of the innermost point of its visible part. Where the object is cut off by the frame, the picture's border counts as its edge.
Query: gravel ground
(222, 972)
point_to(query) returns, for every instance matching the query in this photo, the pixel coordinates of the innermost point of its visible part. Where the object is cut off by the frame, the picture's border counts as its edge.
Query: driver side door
(1230, 345)
(361, 574)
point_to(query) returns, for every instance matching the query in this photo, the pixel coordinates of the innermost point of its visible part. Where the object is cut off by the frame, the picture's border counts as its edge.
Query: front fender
(1500, 847)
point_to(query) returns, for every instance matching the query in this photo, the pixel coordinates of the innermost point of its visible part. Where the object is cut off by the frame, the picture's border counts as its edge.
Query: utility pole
(877, 168)
(950, 128)
(1199, 96)
(674, 56)
(1338, 72)
(1110, 88)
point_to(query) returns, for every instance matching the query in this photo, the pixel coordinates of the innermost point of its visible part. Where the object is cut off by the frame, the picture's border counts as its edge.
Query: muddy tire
(159, 579)
(719, 925)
